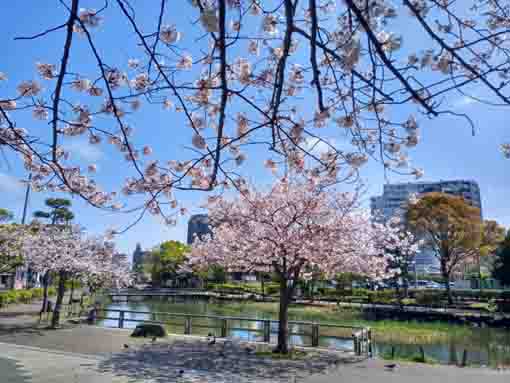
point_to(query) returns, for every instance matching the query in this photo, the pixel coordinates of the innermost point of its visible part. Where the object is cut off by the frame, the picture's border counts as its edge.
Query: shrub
(272, 289)
(428, 298)
(382, 297)
(24, 296)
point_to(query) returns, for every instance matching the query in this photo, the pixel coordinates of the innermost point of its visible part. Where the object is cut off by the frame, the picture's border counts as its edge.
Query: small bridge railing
(348, 338)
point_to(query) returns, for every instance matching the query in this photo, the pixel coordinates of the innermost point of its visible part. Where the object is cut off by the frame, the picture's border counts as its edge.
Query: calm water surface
(441, 341)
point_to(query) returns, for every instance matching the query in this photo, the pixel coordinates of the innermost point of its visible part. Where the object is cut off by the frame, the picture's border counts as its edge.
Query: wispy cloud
(10, 184)
(316, 146)
(82, 150)
(462, 102)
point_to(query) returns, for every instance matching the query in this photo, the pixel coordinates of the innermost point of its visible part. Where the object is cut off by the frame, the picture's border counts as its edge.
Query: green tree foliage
(59, 211)
(451, 227)
(502, 264)
(5, 215)
(166, 261)
(345, 280)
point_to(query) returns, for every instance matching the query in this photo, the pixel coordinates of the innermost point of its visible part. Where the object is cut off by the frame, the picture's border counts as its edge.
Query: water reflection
(485, 346)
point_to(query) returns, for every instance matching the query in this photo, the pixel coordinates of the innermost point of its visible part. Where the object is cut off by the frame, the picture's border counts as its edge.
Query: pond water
(441, 341)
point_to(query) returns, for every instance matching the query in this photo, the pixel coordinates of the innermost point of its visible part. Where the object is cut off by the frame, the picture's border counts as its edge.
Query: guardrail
(224, 327)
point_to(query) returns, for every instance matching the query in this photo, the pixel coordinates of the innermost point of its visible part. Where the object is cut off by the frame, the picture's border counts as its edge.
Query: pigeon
(154, 339)
(249, 349)
(126, 345)
(391, 367)
(211, 341)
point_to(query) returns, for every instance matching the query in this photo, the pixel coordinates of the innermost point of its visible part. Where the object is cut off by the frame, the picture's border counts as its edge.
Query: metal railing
(225, 326)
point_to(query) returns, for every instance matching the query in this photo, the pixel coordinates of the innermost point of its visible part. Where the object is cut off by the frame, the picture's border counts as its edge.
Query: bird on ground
(250, 349)
(181, 372)
(154, 339)
(211, 339)
(391, 367)
(126, 345)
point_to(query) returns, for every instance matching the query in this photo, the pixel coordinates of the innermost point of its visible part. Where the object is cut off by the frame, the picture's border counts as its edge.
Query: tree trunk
(480, 272)
(446, 278)
(283, 319)
(55, 320)
(46, 279)
(262, 284)
(71, 297)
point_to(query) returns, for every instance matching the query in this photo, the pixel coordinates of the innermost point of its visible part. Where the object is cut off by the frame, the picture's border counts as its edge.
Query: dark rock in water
(149, 330)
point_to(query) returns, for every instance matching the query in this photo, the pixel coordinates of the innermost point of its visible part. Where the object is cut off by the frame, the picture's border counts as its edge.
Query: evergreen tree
(502, 265)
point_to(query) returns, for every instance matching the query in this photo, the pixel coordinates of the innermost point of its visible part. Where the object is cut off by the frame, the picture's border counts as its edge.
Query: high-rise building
(198, 225)
(139, 257)
(395, 197)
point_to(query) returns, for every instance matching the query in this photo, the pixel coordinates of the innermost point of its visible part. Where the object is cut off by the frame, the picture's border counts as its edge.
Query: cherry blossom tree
(277, 75)
(403, 246)
(295, 227)
(67, 252)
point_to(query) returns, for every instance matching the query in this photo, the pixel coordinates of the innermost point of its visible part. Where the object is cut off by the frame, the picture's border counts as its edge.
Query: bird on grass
(391, 367)
(211, 339)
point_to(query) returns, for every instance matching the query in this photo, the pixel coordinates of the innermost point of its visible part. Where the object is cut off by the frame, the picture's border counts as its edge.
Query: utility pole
(23, 221)
(27, 195)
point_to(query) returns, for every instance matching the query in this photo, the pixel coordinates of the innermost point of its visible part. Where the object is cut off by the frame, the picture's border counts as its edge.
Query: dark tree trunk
(446, 278)
(55, 320)
(406, 288)
(46, 280)
(283, 318)
(262, 284)
(71, 296)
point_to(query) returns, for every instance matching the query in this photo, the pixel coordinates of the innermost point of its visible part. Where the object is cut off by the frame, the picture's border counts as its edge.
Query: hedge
(269, 288)
(23, 296)
(421, 297)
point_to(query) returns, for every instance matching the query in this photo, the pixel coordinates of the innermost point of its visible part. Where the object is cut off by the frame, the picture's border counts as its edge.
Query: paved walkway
(87, 354)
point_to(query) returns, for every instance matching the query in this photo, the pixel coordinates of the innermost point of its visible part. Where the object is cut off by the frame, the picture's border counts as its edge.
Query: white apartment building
(394, 199)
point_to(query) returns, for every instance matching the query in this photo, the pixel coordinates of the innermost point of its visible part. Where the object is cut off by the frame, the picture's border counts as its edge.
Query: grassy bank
(385, 330)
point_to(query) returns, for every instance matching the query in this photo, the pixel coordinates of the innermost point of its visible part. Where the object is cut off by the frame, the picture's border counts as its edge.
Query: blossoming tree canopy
(245, 74)
(66, 249)
(294, 227)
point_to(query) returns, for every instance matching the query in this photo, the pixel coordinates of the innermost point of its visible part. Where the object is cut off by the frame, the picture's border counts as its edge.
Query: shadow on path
(197, 361)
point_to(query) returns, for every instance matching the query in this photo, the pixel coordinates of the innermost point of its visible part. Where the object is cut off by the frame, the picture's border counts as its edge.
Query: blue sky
(447, 151)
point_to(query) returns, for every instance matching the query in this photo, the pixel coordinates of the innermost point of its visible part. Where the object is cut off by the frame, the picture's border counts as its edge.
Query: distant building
(139, 258)
(395, 197)
(198, 225)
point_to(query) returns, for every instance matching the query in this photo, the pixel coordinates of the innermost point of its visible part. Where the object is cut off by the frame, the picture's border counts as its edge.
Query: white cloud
(10, 184)
(462, 102)
(316, 146)
(82, 150)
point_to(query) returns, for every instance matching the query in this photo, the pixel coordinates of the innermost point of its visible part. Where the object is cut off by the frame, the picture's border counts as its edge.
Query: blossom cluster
(295, 227)
(249, 74)
(66, 249)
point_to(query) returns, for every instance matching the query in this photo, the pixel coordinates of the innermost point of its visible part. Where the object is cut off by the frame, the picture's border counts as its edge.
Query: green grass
(410, 332)
(411, 358)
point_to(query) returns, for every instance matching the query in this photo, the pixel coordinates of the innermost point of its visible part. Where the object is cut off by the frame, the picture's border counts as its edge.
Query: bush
(23, 296)
(428, 298)
(272, 288)
(381, 297)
